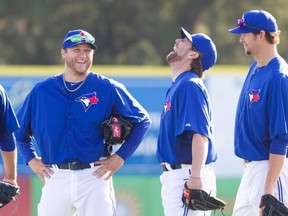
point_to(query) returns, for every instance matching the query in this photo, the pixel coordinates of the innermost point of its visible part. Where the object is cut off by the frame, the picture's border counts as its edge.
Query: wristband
(192, 177)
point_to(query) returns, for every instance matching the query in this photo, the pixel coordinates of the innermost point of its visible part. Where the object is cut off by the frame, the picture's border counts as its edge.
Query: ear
(63, 53)
(193, 55)
(262, 34)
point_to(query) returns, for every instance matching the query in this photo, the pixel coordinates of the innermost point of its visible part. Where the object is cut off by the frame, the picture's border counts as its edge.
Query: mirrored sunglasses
(241, 23)
(80, 38)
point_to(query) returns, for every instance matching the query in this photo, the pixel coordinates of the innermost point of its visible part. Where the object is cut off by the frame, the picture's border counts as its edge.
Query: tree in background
(127, 31)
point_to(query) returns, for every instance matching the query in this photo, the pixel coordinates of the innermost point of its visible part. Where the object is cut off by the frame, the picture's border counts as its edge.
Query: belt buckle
(71, 165)
(168, 167)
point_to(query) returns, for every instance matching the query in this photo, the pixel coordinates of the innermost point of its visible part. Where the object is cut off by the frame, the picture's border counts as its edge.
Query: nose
(83, 53)
(178, 40)
(241, 38)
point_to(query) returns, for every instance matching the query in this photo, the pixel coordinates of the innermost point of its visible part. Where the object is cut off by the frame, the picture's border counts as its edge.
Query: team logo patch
(254, 96)
(87, 100)
(166, 107)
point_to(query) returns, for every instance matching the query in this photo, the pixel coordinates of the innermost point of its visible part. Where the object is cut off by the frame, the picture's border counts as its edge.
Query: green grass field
(139, 195)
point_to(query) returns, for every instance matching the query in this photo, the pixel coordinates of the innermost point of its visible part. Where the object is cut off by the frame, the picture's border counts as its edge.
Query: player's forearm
(276, 163)
(199, 154)
(10, 162)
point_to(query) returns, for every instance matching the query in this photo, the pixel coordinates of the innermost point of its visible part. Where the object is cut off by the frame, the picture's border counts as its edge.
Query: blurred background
(133, 39)
(127, 32)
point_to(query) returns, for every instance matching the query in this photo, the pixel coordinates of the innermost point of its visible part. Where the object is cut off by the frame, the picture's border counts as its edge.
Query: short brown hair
(271, 37)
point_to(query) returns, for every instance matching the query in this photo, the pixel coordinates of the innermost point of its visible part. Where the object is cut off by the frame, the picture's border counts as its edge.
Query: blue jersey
(186, 111)
(67, 126)
(262, 112)
(8, 120)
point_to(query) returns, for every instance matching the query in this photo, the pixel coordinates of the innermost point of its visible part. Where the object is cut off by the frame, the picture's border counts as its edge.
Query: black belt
(168, 167)
(74, 165)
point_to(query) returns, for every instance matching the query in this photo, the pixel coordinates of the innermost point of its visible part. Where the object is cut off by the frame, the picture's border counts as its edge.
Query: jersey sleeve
(126, 105)
(278, 107)
(8, 120)
(24, 136)
(195, 114)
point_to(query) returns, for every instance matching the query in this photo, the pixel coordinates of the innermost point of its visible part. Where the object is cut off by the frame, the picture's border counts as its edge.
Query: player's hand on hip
(108, 166)
(42, 170)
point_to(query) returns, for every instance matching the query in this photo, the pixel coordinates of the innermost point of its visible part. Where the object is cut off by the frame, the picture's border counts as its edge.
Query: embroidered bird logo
(87, 100)
(167, 106)
(254, 96)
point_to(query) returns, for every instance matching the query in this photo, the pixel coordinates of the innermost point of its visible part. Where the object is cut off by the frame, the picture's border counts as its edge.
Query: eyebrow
(192, 46)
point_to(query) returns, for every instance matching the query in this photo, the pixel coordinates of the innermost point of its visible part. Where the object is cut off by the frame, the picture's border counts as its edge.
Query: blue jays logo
(254, 96)
(167, 107)
(87, 100)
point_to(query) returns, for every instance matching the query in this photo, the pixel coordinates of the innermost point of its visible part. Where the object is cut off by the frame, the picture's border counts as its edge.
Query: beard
(248, 52)
(78, 69)
(173, 57)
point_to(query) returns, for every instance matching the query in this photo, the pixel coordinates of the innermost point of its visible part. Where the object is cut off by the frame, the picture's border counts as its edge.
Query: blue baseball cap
(204, 45)
(255, 20)
(79, 36)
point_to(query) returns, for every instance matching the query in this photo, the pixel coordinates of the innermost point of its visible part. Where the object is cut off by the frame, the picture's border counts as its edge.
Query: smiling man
(261, 132)
(64, 115)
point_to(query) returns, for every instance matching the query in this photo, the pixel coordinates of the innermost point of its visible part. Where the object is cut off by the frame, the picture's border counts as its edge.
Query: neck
(265, 56)
(177, 69)
(74, 77)
(73, 90)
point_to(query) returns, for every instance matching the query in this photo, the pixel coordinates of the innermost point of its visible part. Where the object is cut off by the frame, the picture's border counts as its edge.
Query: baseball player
(8, 124)
(64, 115)
(261, 132)
(185, 142)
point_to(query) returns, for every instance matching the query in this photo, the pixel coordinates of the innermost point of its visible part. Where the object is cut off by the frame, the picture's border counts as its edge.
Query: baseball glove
(272, 206)
(8, 192)
(116, 129)
(200, 200)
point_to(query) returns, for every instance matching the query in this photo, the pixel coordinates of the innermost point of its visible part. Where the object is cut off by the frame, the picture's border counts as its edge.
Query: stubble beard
(172, 57)
(248, 53)
(78, 69)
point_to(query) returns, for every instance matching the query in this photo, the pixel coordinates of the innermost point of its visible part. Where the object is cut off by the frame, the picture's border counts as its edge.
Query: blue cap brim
(185, 34)
(241, 30)
(69, 44)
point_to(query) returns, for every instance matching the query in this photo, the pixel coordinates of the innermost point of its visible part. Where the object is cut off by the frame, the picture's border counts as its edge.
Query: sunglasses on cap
(79, 38)
(241, 23)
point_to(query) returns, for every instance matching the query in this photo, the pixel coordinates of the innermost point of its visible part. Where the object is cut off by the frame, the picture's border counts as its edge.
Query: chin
(171, 56)
(171, 53)
(247, 52)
